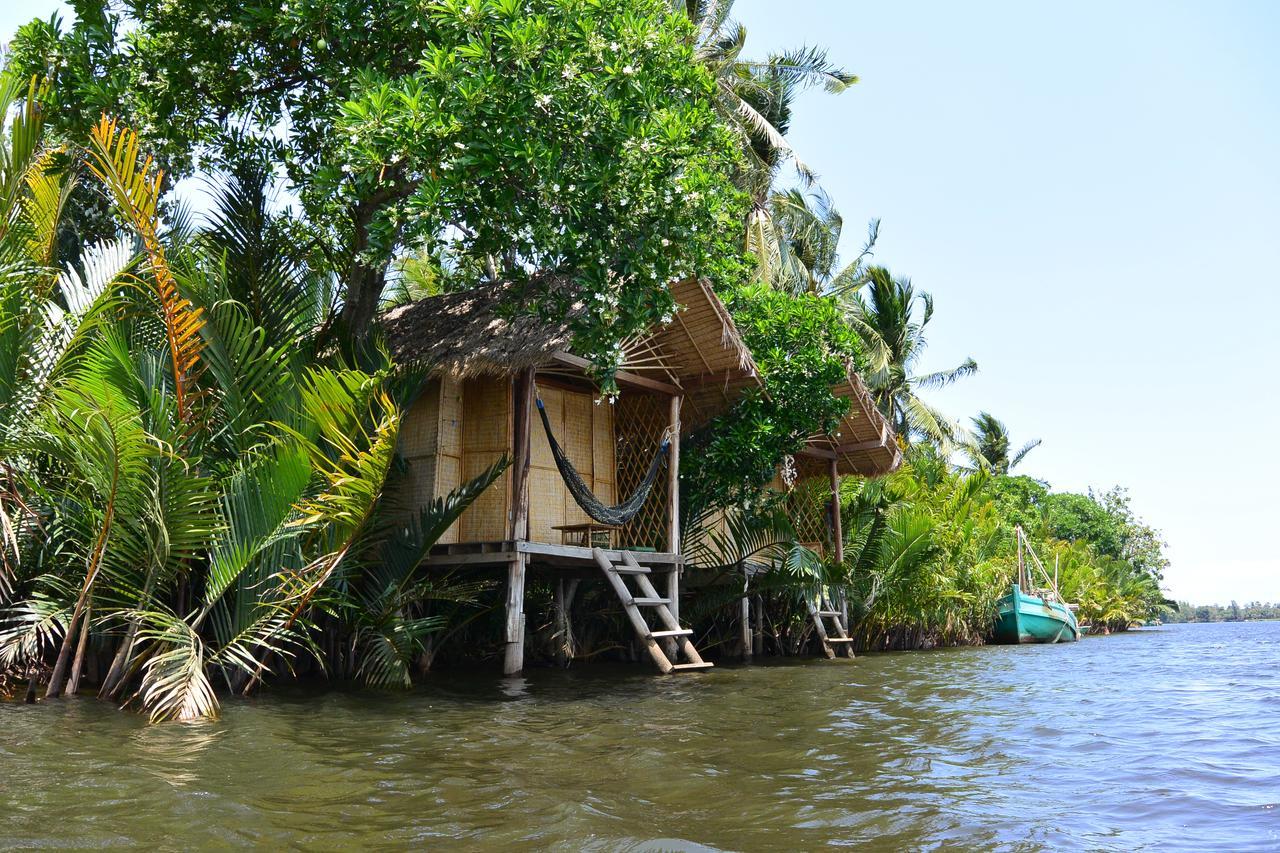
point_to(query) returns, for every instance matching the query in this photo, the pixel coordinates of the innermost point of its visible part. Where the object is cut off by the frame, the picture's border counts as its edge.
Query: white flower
(346, 167)
(460, 146)
(628, 70)
(666, 242)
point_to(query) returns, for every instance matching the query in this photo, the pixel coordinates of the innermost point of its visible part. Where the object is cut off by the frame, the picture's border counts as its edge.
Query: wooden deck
(539, 555)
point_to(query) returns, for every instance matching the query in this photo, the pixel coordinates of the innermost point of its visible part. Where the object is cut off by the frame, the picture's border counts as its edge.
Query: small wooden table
(591, 534)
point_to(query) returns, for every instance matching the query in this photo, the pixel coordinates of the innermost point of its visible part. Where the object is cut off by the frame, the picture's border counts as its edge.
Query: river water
(1160, 738)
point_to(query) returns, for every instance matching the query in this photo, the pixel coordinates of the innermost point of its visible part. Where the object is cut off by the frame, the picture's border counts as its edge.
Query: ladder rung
(828, 613)
(649, 602)
(630, 570)
(703, 665)
(839, 639)
(683, 632)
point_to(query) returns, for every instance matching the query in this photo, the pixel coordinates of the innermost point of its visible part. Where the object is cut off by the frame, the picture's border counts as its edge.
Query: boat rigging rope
(619, 514)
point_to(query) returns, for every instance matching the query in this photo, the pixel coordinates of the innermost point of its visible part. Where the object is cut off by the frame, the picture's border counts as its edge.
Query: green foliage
(802, 348)
(196, 544)
(891, 318)
(563, 137)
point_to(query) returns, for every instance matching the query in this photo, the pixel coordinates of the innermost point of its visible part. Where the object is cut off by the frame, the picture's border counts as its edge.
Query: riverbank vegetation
(198, 424)
(1253, 611)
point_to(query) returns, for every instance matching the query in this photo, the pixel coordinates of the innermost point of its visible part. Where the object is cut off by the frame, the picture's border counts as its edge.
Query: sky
(1091, 192)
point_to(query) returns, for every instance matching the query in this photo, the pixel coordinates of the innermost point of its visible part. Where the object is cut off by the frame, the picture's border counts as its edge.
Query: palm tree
(755, 97)
(796, 245)
(990, 447)
(884, 313)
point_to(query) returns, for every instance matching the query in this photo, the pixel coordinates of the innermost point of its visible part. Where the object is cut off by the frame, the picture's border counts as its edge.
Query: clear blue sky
(1091, 191)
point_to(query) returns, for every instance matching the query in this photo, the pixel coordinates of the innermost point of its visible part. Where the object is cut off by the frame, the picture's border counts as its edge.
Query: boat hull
(1023, 618)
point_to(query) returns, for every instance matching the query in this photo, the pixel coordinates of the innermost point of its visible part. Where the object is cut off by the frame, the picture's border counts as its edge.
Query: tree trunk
(77, 667)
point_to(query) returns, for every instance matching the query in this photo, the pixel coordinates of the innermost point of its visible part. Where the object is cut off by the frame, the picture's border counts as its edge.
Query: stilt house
(495, 374)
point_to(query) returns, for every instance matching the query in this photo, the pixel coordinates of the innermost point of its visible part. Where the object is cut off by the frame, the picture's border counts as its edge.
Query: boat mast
(1021, 567)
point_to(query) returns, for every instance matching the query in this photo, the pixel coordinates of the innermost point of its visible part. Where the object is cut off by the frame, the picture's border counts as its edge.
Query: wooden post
(673, 479)
(673, 506)
(747, 647)
(522, 415)
(758, 640)
(837, 525)
(513, 660)
(522, 421)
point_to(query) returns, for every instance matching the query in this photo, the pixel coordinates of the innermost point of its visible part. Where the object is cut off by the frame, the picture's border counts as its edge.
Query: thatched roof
(493, 330)
(864, 443)
(489, 330)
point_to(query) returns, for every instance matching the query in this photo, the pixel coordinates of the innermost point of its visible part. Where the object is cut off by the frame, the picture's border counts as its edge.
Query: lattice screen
(639, 422)
(809, 508)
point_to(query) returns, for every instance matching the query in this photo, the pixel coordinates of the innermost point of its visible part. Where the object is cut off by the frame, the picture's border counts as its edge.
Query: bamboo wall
(457, 429)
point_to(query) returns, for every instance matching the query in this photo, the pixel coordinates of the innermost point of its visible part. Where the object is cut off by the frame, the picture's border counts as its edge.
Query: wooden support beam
(513, 659)
(747, 646)
(757, 642)
(837, 526)
(673, 478)
(522, 408)
(624, 377)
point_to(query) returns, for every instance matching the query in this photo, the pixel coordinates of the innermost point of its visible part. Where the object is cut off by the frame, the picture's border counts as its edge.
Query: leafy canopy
(802, 347)
(511, 137)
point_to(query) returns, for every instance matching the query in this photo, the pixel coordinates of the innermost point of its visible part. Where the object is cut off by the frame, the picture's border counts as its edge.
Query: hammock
(582, 495)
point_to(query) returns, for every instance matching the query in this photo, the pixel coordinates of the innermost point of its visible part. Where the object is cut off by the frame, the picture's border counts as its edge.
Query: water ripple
(1161, 739)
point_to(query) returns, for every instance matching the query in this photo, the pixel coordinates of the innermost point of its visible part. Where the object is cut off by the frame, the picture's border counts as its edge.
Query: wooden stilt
(522, 407)
(513, 661)
(757, 643)
(747, 647)
(673, 479)
(837, 525)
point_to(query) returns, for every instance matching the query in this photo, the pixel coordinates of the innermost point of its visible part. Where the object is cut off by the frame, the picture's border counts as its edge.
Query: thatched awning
(864, 443)
(493, 330)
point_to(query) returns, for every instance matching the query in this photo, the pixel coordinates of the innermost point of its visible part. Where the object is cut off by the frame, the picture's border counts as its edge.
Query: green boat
(1036, 615)
(1026, 618)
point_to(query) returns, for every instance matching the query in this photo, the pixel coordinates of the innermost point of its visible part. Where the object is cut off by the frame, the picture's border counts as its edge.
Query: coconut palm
(755, 97)
(796, 244)
(891, 317)
(990, 446)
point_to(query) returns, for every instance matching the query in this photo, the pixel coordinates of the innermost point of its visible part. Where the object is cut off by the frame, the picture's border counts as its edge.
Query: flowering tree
(515, 137)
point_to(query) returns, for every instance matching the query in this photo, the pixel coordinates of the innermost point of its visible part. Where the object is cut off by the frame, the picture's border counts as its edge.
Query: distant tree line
(1233, 612)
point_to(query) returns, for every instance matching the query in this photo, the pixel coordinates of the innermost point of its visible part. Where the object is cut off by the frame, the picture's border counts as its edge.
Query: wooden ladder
(820, 610)
(671, 632)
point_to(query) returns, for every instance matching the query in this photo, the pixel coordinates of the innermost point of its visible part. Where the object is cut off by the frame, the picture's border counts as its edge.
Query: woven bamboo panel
(546, 504)
(450, 429)
(603, 452)
(639, 423)
(486, 435)
(448, 476)
(576, 438)
(420, 430)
